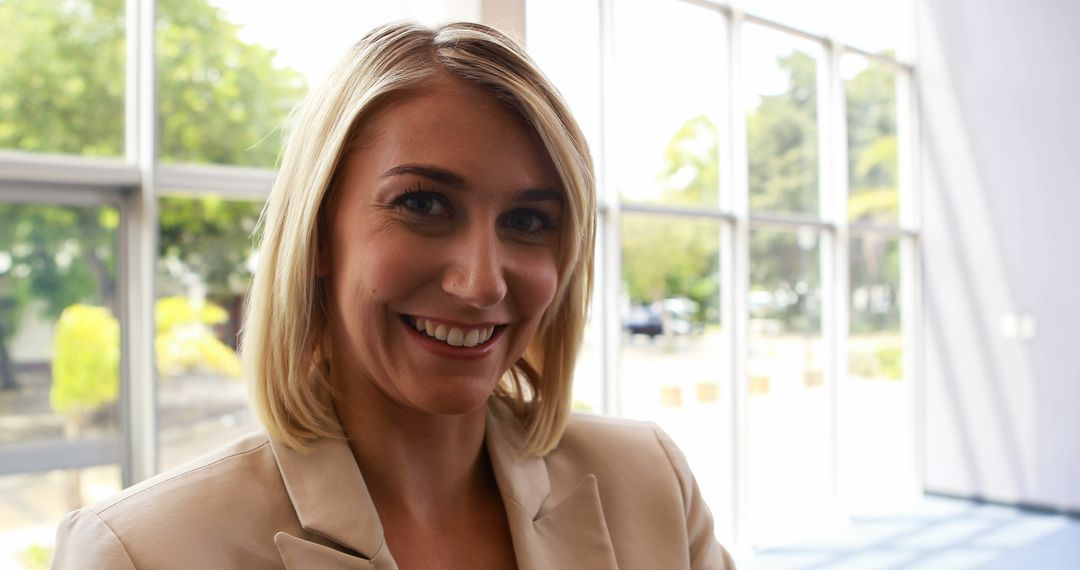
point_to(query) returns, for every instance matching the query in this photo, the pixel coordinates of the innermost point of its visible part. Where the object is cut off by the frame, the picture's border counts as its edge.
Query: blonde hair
(285, 343)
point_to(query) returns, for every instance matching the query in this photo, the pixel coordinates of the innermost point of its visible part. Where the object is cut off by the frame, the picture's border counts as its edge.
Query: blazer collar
(551, 528)
(331, 500)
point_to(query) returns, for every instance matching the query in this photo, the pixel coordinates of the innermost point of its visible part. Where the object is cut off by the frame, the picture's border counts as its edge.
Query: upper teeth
(454, 336)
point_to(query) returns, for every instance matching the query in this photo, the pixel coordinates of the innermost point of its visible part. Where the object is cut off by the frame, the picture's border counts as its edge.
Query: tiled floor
(938, 534)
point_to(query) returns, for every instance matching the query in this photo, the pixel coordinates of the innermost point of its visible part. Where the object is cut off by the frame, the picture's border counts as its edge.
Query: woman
(424, 274)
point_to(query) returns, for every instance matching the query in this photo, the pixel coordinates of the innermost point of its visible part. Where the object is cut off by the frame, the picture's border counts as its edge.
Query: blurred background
(833, 263)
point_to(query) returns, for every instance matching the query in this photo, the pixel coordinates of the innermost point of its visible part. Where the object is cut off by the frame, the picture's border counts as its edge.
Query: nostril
(480, 287)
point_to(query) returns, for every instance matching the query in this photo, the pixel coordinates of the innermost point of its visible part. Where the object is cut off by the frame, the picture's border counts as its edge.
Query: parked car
(643, 319)
(673, 316)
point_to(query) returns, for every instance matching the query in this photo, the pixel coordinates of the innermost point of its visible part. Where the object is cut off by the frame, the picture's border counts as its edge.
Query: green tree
(672, 258)
(86, 374)
(212, 238)
(57, 255)
(676, 258)
(221, 100)
(873, 167)
(782, 142)
(86, 361)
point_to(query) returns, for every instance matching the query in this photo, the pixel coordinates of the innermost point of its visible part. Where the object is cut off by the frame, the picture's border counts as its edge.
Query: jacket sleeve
(84, 541)
(706, 553)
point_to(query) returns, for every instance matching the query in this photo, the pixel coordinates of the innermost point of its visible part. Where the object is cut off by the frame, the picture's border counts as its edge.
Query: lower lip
(446, 351)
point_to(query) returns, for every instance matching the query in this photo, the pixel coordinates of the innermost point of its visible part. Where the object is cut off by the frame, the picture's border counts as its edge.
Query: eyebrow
(440, 175)
(539, 195)
(450, 178)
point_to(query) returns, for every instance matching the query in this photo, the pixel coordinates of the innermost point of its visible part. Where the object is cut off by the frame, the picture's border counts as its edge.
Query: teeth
(454, 336)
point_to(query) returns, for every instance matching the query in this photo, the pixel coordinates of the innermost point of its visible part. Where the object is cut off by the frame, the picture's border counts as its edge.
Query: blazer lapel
(298, 553)
(331, 500)
(561, 527)
(551, 528)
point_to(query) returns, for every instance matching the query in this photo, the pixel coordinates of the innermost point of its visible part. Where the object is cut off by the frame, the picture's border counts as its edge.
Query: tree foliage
(185, 343)
(221, 100)
(673, 258)
(86, 360)
(782, 142)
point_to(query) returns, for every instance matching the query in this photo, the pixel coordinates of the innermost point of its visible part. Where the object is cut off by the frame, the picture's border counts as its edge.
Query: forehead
(460, 126)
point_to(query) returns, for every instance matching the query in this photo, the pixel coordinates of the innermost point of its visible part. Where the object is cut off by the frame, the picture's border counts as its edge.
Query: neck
(418, 465)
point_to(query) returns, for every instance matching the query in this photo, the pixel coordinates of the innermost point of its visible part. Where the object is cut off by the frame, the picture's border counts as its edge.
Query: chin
(454, 397)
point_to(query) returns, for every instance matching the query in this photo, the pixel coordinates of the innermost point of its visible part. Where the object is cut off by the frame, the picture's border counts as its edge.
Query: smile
(453, 335)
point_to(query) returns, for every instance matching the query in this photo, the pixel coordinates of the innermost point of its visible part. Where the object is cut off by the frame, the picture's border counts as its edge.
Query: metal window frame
(831, 224)
(135, 182)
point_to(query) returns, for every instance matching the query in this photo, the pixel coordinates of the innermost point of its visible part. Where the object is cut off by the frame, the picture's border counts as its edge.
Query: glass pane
(589, 373)
(873, 168)
(668, 102)
(673, 361)
(811, 16)
(564, 39)
(32, 505)
(230, 70)
(788, 405)
(781, 121)
(878, 452)
(62, 76)
(877, 26)
(206, 257)
(59, 336)
(880, 26)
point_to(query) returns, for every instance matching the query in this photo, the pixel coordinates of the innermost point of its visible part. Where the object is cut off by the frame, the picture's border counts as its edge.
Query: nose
(475, 274)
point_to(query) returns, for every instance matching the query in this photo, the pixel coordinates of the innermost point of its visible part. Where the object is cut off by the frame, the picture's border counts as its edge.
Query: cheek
(370, 275)
(537, 284)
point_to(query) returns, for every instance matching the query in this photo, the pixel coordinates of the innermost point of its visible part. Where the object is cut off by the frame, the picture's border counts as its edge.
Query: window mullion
(138, 252)
(737, 279)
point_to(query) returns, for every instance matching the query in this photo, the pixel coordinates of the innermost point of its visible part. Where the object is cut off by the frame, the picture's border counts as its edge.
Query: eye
(422, 202)
(528, 221)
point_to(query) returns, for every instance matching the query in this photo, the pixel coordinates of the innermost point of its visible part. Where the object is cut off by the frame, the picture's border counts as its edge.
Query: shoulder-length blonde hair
(285, 344)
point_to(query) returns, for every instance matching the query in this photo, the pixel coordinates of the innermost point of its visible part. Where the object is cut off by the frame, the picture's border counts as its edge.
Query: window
(665, 127)
(205, 260)
(61, 391)
(62, 77)
(754, 271)
(766, 178)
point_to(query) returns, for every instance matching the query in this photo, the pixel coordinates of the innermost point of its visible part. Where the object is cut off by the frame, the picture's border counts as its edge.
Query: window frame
(136, 182)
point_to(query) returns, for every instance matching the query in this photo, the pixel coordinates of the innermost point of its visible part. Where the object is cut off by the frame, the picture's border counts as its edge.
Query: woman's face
(442, 250)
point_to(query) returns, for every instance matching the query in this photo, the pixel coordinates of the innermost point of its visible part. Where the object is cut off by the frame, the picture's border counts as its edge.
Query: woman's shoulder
(217, 472)
(647, 490)
(608, 446)
(632, 439)
(204, 504)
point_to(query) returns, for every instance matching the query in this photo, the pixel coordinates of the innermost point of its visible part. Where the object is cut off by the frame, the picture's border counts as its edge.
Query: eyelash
(401, 203)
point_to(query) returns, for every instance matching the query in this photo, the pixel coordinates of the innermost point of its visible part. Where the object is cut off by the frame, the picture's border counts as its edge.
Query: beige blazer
(614, 494)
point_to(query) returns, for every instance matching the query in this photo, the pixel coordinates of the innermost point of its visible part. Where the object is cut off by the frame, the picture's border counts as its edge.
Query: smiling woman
(426, 263)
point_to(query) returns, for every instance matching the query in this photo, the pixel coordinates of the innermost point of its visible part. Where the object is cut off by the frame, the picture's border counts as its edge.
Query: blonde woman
(425, 266)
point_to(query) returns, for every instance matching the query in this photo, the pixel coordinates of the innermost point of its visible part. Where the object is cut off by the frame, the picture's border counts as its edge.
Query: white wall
(999, 90)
